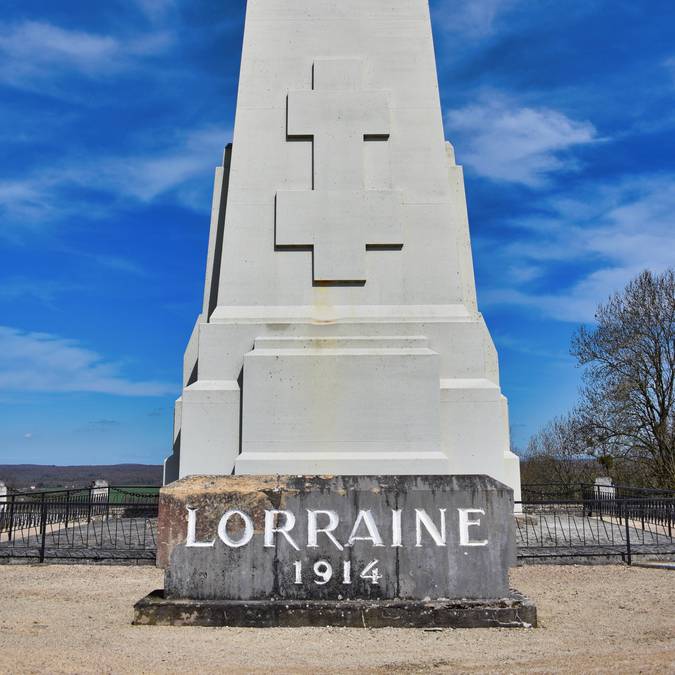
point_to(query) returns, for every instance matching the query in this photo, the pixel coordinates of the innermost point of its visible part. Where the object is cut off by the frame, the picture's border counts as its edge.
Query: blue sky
(113, 116)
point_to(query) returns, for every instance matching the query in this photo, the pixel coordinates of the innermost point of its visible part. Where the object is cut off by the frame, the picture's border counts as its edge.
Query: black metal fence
(533, 492)
(100, 523)
(555, 523)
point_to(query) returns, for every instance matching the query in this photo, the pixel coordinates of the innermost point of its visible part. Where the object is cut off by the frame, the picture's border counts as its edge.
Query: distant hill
(18, 476)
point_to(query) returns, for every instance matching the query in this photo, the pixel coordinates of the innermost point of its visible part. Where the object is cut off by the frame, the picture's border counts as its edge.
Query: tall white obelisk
(340, 332)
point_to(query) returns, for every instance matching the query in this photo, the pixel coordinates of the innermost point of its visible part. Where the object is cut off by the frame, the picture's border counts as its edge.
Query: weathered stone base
(516, 611)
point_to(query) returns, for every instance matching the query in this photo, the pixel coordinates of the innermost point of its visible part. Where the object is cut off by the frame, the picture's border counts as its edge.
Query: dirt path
(597, 619)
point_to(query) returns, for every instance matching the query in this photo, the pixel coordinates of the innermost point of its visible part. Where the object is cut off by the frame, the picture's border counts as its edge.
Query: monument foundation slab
(514, 611)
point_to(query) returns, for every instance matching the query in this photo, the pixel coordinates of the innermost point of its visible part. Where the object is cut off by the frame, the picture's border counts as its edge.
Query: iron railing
(532, 492)
(596, 524)
(552, 523)
(98, 523)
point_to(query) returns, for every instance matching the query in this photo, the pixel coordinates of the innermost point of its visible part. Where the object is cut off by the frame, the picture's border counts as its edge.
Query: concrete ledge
(515, 611)
(656, 564)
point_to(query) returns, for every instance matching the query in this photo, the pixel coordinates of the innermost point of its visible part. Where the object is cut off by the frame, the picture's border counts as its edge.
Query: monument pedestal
(368, 551)
(315, 404)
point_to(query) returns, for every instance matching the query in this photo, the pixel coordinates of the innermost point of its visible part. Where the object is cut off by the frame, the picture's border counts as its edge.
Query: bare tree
(627, 409)
(557, 453)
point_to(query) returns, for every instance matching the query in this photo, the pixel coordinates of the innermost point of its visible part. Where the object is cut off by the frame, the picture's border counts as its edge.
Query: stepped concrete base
(514, 611)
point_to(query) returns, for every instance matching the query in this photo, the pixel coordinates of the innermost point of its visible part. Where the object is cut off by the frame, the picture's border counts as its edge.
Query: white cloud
(504, 141)
(156, 9)
(616, 231)
(180, 171)
(670, 65)
(476, 18)
(34, 40)
(49, 363)
(145, 177)
(518, 344)
(43, 290)
(35, 55)
(118, 264)
(21, 201)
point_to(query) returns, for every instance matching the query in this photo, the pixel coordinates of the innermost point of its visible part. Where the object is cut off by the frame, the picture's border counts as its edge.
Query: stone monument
(339, 332)
(341, 440)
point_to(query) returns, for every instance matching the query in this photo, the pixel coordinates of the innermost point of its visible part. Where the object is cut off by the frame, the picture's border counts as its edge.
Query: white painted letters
(396, 541)
(282, 522)
(422, 518)
(465, 522)
(271, 528)
(313, 530)
(248, 529)
(191, 541)
(365, 517)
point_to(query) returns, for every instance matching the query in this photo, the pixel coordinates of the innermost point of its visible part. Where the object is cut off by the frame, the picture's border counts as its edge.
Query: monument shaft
(340, 332)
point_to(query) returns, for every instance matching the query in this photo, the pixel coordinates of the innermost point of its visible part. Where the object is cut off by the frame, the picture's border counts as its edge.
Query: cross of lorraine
(338, 218)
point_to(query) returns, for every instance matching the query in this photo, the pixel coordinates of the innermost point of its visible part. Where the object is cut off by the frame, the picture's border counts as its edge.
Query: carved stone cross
(338, 218)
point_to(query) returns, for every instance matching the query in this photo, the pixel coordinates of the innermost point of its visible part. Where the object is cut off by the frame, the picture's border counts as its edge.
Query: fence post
(10, 533)
(628, 554)
(67, 511)
(642, 516)
(43, 526)
(89, 508)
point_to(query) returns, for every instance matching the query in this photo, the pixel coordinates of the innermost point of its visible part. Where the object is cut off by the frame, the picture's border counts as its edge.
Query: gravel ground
(592, 620)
